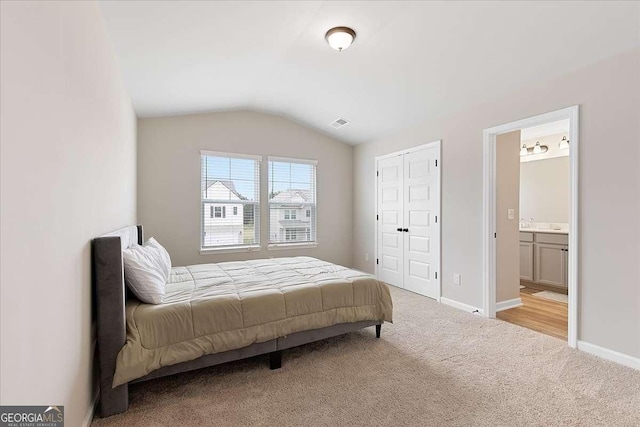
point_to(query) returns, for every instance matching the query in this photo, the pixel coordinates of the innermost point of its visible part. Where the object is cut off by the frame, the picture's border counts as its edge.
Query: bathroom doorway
(530, 223)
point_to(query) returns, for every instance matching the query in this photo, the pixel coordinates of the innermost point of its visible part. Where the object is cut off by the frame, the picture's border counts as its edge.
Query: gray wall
(507, 197)
(544, 190)
(169, 179)
(610, 184)
(68, 173)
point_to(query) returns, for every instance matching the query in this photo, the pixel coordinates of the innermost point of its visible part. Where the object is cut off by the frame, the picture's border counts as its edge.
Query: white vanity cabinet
(544, 258)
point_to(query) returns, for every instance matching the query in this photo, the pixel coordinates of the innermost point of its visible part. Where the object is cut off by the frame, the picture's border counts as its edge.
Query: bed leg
(275, 360)
(378, 328)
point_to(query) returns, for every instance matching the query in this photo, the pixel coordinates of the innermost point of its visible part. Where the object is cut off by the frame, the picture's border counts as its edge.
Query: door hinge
(377, 217)
(436, 162)
(377, 261)
(436, 218)
(436, 274)
(495, 235)
(377, 173)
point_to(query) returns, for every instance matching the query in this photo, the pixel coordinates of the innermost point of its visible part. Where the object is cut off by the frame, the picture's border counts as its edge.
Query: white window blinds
(230, 195)
(292, 201)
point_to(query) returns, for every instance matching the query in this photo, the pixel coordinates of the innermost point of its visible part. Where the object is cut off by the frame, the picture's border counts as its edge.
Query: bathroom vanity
(544, 256)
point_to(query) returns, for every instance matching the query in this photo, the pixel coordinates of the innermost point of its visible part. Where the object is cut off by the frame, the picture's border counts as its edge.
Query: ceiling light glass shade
(340, 38)
(564, 144)
(523, 150)
(537, 149)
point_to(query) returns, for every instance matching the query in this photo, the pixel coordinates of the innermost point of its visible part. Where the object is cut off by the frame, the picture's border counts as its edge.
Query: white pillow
(145, 271)
(166, 259)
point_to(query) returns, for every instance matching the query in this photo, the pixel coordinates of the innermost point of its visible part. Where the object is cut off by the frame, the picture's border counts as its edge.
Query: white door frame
(489, 207)
(437, 144)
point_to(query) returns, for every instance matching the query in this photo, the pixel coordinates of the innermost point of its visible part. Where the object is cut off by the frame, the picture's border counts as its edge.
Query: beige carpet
(436, 366)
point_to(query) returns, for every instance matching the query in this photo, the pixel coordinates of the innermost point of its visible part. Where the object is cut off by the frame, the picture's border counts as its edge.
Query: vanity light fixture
(563, 144)
(523, 150)
(536, 149)
(340, 38)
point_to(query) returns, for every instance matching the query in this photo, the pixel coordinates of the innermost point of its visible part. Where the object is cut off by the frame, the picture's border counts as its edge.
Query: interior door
(390, 235)
(421, 232)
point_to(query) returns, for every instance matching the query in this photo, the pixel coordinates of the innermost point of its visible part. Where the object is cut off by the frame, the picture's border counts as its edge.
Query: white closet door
(390, 240)
(421, 232)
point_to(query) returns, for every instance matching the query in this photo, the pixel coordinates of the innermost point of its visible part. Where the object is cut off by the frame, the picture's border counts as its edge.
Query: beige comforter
(211, 308)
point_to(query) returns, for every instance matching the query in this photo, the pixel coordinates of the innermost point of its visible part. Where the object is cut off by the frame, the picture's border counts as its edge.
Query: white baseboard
(92, 409)
(612, 355)
(461, 306)
(510, 303)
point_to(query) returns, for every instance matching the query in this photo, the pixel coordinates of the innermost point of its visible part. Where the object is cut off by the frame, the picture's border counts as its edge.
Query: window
(230, 181)
(218, 212)
(292, 191)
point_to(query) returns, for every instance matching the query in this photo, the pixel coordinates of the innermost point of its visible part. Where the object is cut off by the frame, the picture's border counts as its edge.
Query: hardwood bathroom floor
(539, 314)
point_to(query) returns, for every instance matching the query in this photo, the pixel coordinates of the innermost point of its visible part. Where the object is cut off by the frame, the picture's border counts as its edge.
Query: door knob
(406, 230)
(398, 229)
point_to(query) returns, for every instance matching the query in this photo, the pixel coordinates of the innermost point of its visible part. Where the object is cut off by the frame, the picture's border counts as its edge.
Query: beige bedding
(211, 308)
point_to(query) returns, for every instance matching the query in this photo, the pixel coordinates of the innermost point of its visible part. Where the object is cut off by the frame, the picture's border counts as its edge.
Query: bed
(217, 313)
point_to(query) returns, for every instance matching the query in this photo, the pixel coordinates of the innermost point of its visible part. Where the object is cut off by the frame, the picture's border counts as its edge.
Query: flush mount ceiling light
(340, 38)
(564, 144)
(536, 149)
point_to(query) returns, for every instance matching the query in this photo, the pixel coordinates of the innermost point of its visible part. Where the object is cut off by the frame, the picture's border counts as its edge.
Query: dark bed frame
(110, 298)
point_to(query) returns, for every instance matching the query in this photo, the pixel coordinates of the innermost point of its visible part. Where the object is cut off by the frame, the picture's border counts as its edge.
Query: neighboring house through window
(292, 200)
(230, 181)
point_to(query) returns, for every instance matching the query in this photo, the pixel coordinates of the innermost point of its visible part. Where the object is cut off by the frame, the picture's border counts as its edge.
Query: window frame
(256, 203)
(284, 245)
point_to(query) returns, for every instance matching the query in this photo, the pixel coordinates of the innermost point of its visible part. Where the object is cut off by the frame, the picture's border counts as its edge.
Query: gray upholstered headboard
(110, 296)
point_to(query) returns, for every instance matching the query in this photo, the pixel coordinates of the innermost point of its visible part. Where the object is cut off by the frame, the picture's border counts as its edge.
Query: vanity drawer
(556, 239)
(526, 237)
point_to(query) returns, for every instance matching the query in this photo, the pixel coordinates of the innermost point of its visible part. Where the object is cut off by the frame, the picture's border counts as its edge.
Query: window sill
(229, 249)
(286, 246)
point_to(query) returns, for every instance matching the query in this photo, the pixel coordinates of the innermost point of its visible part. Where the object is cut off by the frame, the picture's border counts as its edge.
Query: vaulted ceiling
(410, 60)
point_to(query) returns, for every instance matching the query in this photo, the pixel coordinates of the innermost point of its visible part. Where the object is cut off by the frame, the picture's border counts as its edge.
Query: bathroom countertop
(543, 230)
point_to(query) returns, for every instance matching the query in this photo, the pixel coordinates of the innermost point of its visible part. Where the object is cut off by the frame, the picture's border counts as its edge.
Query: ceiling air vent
(339, 123)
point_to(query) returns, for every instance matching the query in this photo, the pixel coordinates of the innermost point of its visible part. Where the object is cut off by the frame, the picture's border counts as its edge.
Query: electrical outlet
(511, 214)
(456, 278)
(366, 256)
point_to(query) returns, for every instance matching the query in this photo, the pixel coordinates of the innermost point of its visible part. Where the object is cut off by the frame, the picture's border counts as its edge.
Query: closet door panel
(390, 220)
(421, 191)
